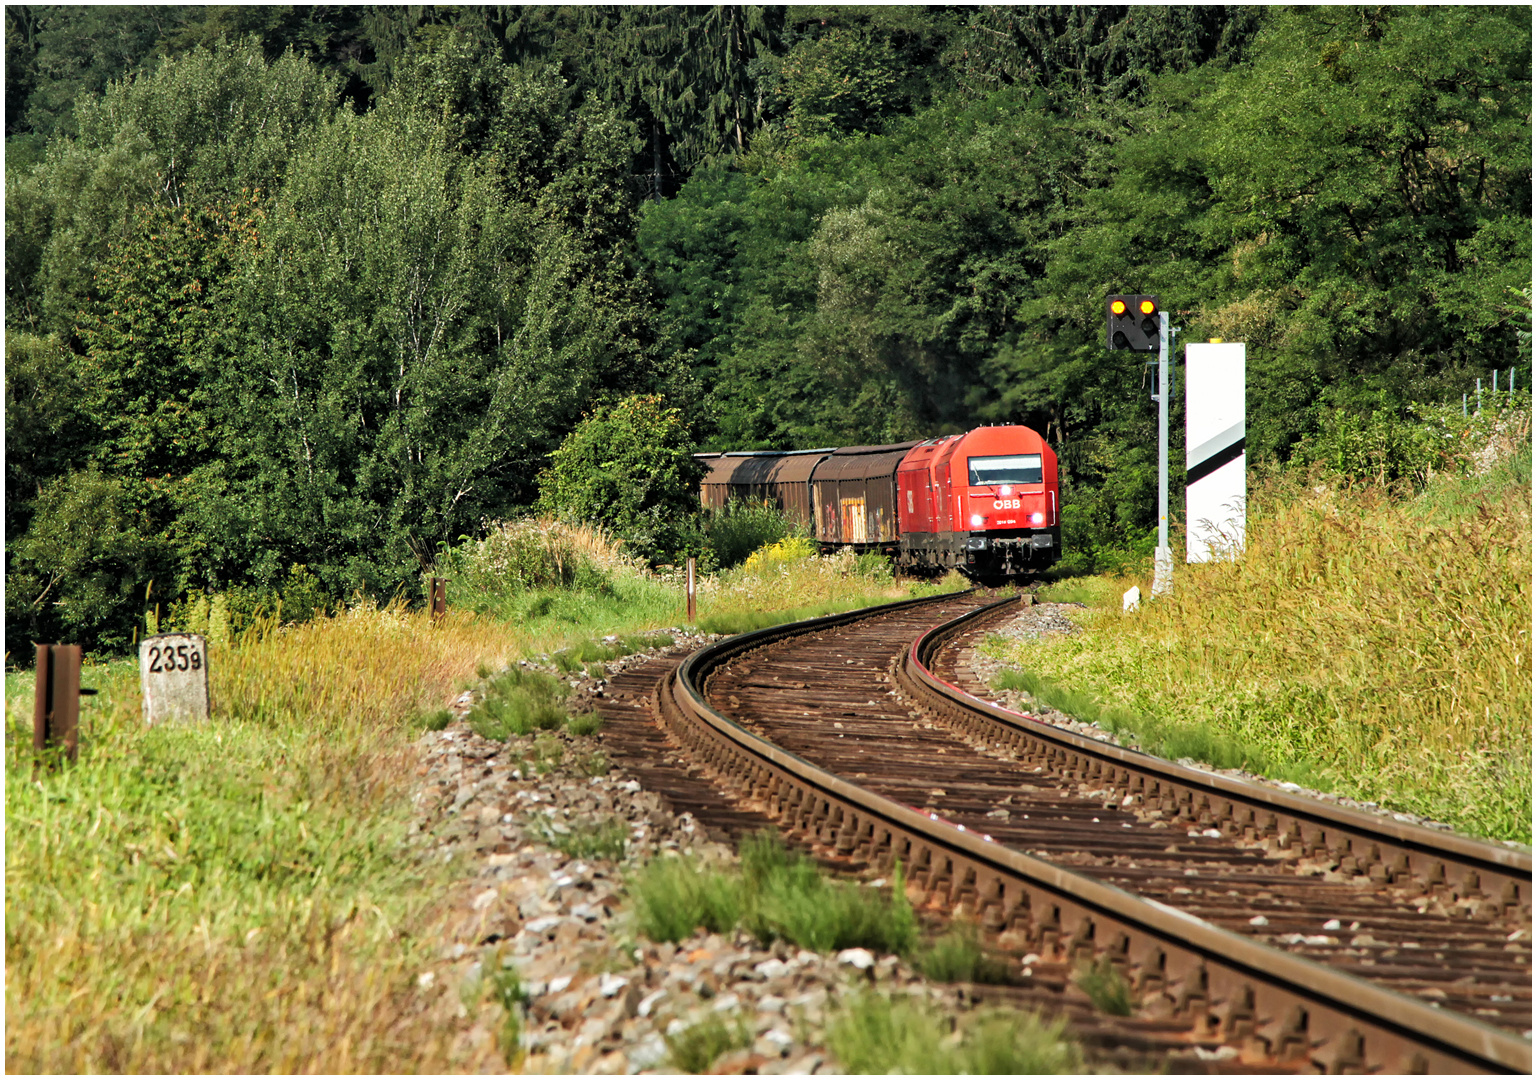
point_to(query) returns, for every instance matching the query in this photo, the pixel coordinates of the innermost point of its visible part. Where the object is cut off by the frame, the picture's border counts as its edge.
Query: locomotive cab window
(1010, 469)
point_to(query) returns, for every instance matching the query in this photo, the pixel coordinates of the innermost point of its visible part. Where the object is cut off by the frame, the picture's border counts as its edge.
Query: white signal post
(1216, 492)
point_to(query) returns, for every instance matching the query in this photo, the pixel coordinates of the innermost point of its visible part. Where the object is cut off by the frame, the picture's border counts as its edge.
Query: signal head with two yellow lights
(1131, 322)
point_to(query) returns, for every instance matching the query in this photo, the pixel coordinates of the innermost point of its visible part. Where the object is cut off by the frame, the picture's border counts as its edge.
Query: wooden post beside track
(56, 701)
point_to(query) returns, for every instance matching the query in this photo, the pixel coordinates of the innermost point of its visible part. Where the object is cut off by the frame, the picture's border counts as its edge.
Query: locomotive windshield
(1010, 469)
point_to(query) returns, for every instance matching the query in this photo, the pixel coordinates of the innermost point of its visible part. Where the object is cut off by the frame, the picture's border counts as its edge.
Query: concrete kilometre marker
(173, 672)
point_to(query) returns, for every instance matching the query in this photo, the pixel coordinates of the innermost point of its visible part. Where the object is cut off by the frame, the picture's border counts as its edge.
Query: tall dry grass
(242, 896)
(1377, 647)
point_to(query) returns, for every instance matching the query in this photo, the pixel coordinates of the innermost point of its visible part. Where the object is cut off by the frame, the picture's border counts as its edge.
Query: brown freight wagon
(783, 479)
(854, 496)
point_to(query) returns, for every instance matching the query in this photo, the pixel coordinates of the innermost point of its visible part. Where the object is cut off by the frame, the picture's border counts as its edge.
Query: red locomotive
(985, 502)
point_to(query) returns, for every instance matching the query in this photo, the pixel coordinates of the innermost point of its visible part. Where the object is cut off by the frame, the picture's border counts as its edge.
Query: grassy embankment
(1373, 646)
(241, 896)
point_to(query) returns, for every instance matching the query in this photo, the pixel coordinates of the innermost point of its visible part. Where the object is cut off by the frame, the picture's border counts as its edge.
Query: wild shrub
(587, 724)
(696, 1047)
(1106, 987)
(744, 526)
(786, 895)
(1405, 449)
(958, 955)
(872, 564)
(770, 557)
(675, 896)
(774, 895)
(527, 555)
(629, 467)
(519, 701)
(599, 839)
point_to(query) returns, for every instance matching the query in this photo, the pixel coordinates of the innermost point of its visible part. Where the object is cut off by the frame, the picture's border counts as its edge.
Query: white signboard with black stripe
(1215, 487)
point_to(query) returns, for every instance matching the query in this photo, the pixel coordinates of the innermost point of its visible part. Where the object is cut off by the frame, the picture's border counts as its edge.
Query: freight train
(984, 502)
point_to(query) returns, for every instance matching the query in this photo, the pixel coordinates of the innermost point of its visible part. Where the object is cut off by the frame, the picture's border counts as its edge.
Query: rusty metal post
(691, 590)
(42, 699)
(439, 597)
(56, 700)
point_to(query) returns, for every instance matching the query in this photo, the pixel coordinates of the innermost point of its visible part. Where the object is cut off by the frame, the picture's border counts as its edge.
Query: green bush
(787, 896)
(1385, 446)
(874, 565)
(744, 526)
(628, 467)
(1106, 988)
(527, 555)
(80, 571)
(589, 724)
(604, 839)
(1405, 448)
(595, 652)
(959, 956)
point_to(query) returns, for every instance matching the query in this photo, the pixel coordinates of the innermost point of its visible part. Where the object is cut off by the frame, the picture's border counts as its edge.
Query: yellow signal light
(1148, 307)
(1118, 307)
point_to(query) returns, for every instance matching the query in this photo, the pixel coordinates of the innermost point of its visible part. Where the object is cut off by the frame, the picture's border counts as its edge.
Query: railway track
(1284, 932)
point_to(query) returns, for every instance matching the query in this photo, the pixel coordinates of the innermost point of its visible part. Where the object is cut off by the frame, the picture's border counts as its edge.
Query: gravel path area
(599, 998)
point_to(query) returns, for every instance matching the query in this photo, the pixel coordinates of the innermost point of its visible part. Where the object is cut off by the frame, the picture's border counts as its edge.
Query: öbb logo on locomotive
(984, 502)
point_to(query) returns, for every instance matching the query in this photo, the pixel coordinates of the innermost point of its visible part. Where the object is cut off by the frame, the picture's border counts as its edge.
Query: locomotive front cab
(1011, 514)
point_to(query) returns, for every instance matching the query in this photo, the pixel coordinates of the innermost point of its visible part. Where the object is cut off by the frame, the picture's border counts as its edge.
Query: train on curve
(984, 502)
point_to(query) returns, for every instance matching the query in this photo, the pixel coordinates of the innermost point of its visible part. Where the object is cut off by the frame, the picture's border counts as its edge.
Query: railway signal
(1135, 323)
(1132, 322)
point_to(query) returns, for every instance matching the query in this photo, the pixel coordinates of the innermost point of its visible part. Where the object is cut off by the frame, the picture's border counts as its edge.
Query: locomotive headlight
(976, 521)
(1037, 518)
(1005, 491)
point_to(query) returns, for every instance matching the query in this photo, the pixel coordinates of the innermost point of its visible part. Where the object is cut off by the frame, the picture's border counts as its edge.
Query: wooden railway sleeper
(1291, 1041)
(860, 838)
(991, 898)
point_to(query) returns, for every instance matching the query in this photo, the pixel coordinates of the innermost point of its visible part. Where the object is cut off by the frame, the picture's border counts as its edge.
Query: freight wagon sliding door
(853, 520)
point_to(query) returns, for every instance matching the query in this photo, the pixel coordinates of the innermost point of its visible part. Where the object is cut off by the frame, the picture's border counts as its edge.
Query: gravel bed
(599, 998)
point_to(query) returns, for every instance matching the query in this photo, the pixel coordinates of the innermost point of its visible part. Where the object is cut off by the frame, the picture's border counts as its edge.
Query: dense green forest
(296, 295)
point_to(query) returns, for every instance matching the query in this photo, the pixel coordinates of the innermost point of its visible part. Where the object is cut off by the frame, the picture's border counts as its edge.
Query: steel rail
(1280, 1009)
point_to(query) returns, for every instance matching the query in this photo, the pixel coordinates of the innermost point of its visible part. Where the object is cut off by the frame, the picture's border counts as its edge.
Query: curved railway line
(1265, 929)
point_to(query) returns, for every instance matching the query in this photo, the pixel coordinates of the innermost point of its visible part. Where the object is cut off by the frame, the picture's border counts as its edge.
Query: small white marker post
(691, 590)
(173, 673)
